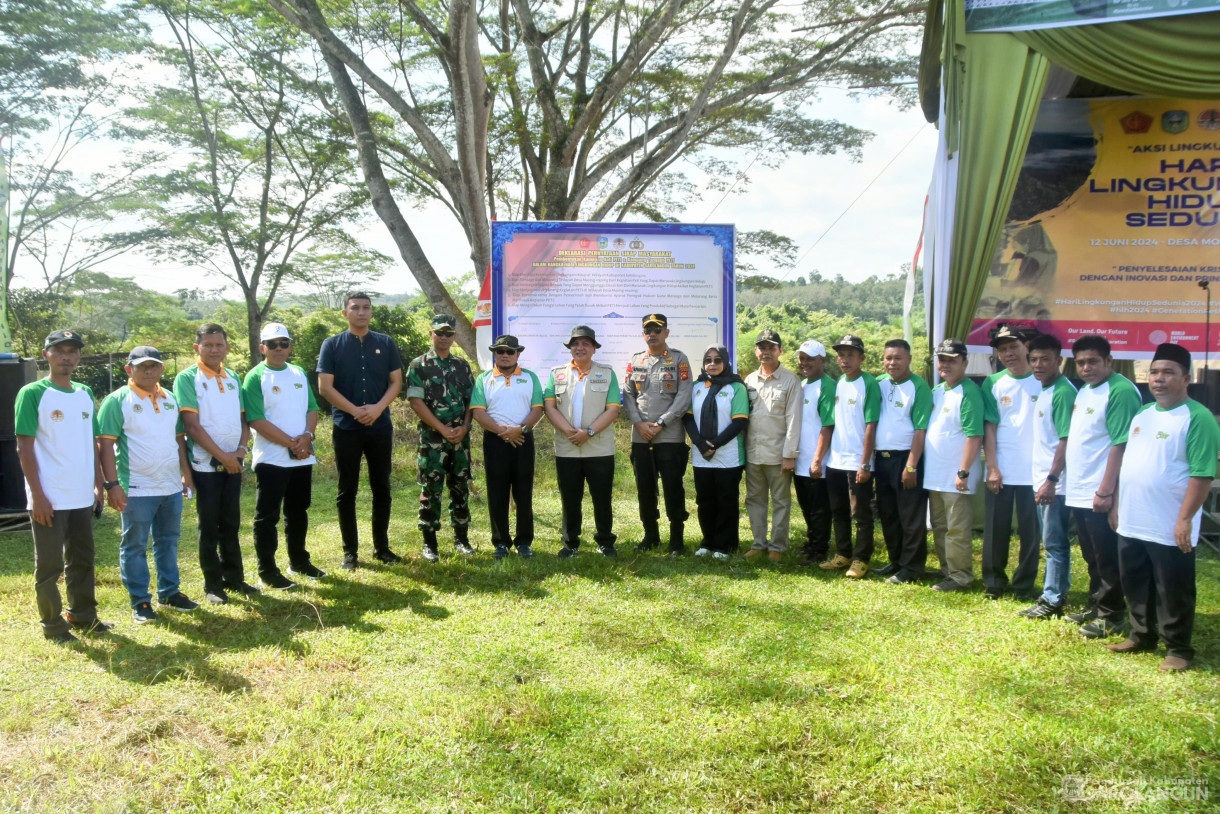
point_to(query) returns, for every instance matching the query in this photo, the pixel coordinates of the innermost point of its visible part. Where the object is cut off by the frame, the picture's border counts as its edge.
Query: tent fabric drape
(1160, 56)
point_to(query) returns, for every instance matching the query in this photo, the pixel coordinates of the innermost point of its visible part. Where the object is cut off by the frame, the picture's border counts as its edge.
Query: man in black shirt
(359, 374)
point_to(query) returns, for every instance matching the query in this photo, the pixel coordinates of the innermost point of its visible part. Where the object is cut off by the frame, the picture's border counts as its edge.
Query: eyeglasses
(278, 344)
(443, 333)
(506, 351)
(890, 398)
(713, 361)
(653, 329)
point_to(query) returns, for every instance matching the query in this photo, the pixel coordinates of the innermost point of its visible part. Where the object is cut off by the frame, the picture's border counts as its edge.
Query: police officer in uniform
(656, 395)
(439, 387)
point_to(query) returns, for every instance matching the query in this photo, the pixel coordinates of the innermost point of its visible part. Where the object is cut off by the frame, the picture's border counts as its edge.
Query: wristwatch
(312, 437)
(1053, 478)
(912, 469)
(108, 485)
(661, 421)
(592, 432)
(866, 467)
(963, 473)
(527, 428)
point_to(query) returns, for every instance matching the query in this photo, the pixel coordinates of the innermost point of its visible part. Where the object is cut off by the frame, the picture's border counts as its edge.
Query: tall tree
(267, 180)
(522, 109)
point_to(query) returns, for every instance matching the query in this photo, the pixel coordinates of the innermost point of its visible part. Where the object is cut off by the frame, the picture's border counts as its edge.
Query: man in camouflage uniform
(656, 395)
(439, 387)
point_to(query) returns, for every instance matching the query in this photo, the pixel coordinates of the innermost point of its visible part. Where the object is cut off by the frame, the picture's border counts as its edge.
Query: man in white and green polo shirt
(210, 401)
(1166, 476)
(283, 414)
(142, 448)
(56, 426)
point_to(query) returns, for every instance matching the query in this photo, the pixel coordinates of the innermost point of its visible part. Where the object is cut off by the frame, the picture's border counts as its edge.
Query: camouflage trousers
(440, 463)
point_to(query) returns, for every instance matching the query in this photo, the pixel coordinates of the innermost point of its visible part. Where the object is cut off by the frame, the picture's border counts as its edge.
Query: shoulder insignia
(559, 377)
(684, 371)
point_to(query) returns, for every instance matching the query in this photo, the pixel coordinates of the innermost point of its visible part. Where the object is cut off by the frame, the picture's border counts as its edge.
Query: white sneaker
(702, 552)
(720, 555)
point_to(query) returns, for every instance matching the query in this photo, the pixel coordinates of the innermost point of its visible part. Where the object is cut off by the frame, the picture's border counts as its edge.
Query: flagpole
(6, 335)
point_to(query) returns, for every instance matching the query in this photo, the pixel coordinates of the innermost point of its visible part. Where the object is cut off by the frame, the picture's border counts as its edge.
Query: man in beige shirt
(771, 445)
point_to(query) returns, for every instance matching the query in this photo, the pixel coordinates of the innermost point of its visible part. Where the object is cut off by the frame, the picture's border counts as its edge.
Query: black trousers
(668, 462)
(851, 501)
(509, 471)
(218, 502)
(997, 533)
(289, 487)
(374, 444)
(64, 548)
(1159, 582)
(718, 504)
(903, 512)
(573, 474)
(1099, 546)
(812, 497)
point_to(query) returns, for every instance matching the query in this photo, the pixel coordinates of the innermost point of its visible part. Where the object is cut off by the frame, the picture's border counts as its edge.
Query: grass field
(642, 684)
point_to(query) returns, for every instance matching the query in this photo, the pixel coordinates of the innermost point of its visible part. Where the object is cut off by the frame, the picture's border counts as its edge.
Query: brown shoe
(1174, 664)
(775, 556)
(753, 552)
(836, 563)
(1129, 646)
(858, 569)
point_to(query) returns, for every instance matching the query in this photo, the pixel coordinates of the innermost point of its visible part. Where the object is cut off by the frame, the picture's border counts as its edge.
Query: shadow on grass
(158, 663)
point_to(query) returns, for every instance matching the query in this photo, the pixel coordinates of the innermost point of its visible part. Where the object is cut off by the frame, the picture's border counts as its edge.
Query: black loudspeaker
(14, 374)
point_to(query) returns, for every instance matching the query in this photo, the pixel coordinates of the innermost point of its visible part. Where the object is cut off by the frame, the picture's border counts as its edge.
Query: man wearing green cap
(507, 403)
(439, 387)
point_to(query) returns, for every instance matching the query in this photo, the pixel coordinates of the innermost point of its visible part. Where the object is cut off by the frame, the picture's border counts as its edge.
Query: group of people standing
(841, 444)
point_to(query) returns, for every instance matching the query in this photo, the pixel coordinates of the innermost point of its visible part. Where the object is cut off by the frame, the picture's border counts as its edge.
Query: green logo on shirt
(851, 402)
(1161, 435)
(1089, 411)
(297, 385)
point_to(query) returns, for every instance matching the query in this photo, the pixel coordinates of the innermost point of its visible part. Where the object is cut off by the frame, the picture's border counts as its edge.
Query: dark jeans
(997, 533)
(718, 501)
(668, 462)
(1159, 581)
(572, 474)
(509, 470)
(290, 487)
(812, 497)
(218, 502)
(374, 444)
(903, 512)
(64, 547)
(1099, 546)
(851, 501)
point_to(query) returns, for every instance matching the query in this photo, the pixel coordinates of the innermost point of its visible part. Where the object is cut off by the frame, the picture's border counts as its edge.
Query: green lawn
(638, 684)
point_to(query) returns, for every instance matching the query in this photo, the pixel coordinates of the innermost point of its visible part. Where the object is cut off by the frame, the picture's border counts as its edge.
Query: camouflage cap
(444, 322)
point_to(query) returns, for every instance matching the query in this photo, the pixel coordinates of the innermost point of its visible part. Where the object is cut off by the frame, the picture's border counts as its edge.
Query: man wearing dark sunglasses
(283, 414)
(439, 387)
(656, 395)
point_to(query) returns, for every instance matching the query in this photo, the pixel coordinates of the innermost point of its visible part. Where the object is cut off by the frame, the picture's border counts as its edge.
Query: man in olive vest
(582, 402)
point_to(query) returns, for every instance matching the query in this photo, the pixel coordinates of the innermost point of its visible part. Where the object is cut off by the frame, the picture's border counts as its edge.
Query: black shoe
(244, 588)
(180, 601)
(144, 613)
(350, 562)
(501, 552)
(308, 570)
(93, 626)
(947, 585)
(1081, 617)
(278, 581)
(430, 554)
(900, 579)
(216, 596)
(525, 551)
(607, 550)
(677, 552)
(993, 593)
(1101, 629)
(463, 547)
(1042, 610)
(387, 557)
(64, 637)
(647, 545)
(888, 570)
(566, 552)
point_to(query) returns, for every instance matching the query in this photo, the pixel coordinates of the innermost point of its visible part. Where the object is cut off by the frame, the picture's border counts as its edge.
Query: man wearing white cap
(283, 414)
(817, 424)
(142, 447)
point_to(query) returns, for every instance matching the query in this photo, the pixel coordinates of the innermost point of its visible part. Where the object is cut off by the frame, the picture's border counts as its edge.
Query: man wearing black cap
(582, 402)
(656, 395)
(849, 468)
(142, 445)
(1166, 476)
(56, 426)
(772, 444)
(1009, 403)
(360, 375)
(507, 403)
(439, 386)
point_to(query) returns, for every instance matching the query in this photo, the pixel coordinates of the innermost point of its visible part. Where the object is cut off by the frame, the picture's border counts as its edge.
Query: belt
(892, 453)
